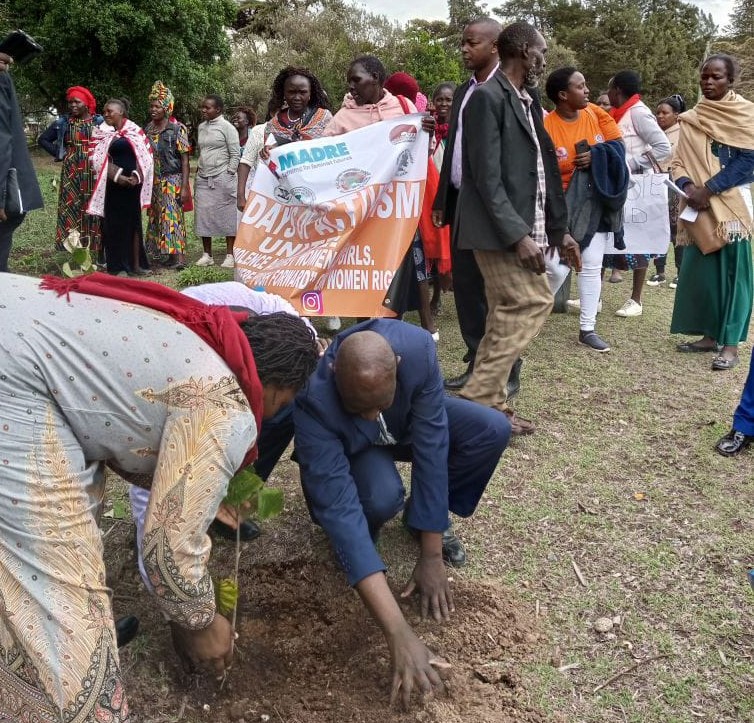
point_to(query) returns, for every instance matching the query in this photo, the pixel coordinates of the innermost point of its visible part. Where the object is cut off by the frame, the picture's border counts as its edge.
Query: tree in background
(663, 40)
(325, 37)
(743, 50)
(741, 25)
(120, 48)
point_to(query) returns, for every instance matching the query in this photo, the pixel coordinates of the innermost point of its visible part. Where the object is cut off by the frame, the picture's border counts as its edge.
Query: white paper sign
(646, 222)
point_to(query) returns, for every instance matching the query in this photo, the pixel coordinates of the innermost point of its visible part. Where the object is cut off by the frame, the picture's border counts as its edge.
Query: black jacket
(14, 151)
(596, 197)
(497, 197)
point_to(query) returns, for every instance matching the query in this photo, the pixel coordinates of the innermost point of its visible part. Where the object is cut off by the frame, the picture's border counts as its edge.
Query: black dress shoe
(126, 629)
(454, 384)
(733, 443)
(453, 551)
(249, 530)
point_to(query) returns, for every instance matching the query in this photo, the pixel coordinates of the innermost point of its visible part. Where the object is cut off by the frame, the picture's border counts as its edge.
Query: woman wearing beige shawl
(713, 164)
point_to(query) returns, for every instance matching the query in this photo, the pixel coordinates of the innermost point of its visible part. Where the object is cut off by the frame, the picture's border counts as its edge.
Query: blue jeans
(743, 419)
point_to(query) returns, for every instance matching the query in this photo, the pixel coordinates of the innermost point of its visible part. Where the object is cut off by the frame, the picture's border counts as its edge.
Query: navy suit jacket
(327, 436)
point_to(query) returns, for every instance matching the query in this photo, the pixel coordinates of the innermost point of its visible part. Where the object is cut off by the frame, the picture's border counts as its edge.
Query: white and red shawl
(99, 157)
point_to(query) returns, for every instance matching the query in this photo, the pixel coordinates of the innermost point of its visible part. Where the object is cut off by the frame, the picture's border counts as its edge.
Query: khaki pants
(519, 301)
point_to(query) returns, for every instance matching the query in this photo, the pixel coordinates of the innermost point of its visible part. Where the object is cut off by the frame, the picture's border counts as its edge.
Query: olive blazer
(496, 201)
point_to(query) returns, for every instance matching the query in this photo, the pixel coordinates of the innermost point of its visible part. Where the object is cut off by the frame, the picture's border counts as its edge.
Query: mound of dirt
(309, 653)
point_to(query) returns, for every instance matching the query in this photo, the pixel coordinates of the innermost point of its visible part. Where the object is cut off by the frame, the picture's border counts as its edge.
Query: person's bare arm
(411, 660)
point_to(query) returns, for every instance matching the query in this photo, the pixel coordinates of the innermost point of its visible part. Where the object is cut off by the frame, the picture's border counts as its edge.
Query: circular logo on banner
(405, 159)
(311, 303)
(403, 134)
(352, 179)
(283, 194)
(303, 194)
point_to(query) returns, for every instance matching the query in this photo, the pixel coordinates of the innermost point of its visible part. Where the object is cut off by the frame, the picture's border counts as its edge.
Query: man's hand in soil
(412, 666)
(211, 647)
(411, 659)
(431, 580)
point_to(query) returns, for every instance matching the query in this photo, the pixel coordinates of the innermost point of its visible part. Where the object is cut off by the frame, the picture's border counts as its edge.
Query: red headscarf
(403, 84)
(216, 325)
(78, 91)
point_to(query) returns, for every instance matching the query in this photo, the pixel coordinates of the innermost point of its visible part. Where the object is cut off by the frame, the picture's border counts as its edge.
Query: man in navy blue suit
(376, 397)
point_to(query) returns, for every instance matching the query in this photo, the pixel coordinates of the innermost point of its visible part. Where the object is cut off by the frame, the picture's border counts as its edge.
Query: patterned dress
(76, 184)
(166, 232)
(87, 382)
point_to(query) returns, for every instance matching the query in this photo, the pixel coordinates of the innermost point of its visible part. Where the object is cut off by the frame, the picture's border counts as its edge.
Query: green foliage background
(236, 47)
(120, 47)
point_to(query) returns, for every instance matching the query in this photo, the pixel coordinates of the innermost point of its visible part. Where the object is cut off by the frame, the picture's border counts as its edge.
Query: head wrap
(421, 102)
(160, 92)
(83, 94)
(403, 84)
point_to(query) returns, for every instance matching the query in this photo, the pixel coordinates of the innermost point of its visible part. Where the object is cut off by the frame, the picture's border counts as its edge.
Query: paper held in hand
(688, 214)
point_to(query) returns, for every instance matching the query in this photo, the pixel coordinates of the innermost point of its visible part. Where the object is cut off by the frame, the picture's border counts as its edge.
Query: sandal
(721, 364)
(692, 346)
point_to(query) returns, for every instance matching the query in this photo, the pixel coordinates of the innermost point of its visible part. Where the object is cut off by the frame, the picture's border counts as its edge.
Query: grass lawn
(622, 482)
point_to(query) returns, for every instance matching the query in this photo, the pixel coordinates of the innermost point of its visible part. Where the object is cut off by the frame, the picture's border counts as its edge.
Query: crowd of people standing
(523, 196)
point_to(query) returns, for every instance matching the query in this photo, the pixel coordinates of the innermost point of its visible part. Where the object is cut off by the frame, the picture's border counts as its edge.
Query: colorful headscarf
(421, 102)
(160, 92)
(83, 94)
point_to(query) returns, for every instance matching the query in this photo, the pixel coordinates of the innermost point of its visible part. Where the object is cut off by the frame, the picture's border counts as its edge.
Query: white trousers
(555, 271)
(590, 279)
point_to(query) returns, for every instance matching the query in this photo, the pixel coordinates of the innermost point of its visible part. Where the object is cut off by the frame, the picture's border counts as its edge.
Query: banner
(329, 221)
(646, 222)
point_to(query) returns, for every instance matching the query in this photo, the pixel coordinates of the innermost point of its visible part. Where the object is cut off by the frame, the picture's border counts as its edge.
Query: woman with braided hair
(299, 111)
(173, 402)
(166, 232)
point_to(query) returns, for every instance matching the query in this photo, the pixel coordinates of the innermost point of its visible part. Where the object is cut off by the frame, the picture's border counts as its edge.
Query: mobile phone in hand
(582, 147)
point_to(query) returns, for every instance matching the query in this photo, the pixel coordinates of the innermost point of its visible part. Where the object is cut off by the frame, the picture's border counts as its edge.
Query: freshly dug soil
(308, 652)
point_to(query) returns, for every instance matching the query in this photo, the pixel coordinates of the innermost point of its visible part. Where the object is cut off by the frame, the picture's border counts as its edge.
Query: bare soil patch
(308, 650)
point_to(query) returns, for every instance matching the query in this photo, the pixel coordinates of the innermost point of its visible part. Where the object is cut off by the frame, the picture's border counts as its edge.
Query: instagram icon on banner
(311, 302)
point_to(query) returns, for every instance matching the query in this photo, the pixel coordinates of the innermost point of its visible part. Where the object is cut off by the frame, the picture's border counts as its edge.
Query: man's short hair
(484, 20)
(217, 100)
(627, 82)
(513, 37)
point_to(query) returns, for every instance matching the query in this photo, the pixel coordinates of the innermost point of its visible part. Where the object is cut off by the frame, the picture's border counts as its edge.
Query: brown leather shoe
(519, 425)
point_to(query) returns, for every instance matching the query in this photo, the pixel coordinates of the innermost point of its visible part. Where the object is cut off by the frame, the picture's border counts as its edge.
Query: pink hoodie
(352, 116)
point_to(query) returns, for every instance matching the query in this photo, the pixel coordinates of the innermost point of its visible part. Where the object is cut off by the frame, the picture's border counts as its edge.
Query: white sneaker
(575, 304)
(630, 308)
(229, 263)
(332, 323)
(205, 260)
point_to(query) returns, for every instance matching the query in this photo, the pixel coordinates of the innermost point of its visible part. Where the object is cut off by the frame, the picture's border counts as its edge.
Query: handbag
(703, 231)
(403, 290)
(13, 205)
